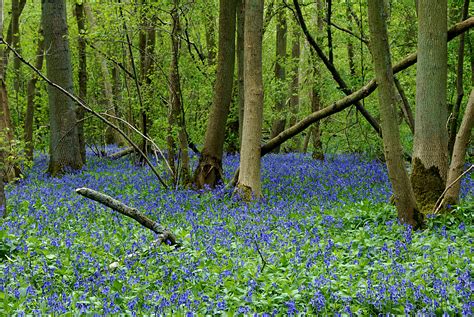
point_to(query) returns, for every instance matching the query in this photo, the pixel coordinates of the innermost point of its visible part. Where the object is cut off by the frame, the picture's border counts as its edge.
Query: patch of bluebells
(330, 242)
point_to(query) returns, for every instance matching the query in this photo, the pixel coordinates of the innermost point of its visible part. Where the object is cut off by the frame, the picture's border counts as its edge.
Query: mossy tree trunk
(430, 147)
(209, 170)
(64, 148)
(403, 192)
(249, 184)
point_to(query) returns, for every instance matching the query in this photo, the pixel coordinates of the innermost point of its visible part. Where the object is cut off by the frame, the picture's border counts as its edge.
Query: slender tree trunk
(82, 75)
(328, 29)
(15, 23)
(240, 63)
(65, 152)
(111, 135)
(280, 75)
(147, 41)
(453, 122)
(31, 104)
(3, 200)
(350, 46)
(459, 153)
(176, 113)
(405, 105)
(295, 82)
(209, 170)
(249, 183)
(430, 148)
(403, 192)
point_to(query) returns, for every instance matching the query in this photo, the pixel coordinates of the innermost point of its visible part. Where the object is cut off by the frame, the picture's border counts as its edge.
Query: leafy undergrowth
(323, 241)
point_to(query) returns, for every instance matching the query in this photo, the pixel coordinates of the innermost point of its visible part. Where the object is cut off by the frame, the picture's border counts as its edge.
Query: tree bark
(249, 184)
(464, 134)
(164, 234)
(176, 112)
(453, 122)
(31, 104)
(64, 148)
(240, 63)
(209, 170)
(402, 190)
(280, 75)
(3, 200)
(295, 82)
(81, 74)
(430, 146)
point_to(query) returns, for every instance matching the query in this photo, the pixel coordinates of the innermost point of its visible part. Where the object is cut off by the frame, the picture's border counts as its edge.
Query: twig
(439, 202)
(260, 253)
(83, 105)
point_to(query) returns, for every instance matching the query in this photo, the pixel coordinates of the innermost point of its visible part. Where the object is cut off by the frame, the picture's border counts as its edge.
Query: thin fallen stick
(164, 235)
(440, 200)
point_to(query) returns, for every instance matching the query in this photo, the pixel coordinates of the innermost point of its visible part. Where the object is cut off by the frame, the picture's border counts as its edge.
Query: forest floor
(324, 240)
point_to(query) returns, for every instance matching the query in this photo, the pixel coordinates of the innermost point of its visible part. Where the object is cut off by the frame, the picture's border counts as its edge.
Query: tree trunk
(147, 40)
(249, 183)
(451, 196)
(405, 105)
(430, 147)
(176, 112)
(295, 82)
(15, 23)
(65, 154)
(281, 94)
(82, 75)
(453, 122)
(30, 106)
(350, 46)
(403, 192)
(3, 200)
(111, 135)
(209, 170)
(240, 63)
(328, 29)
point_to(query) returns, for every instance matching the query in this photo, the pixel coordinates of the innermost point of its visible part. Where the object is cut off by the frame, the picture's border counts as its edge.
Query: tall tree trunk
(31, 104)
(280, 75)
(350, 46)
(453, 122)
(64, 147)
(328, 29)
(147, 41)
(111, 135)
(82, 75)
(15, 23)
(403, 192)
(295, 82)
(209, 170)
(459, 153)
(430, 147)
(240, 63)
(3, 200)
(176, 118)
(249, 183)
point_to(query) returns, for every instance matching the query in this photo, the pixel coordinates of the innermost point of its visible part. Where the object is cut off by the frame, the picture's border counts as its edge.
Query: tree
(456, 167)
(81, 74)
(176, 112)
(430, 147)
(280, 75)
(31, 104)
(64, 147)
(3, 200)
(209, 170)
(249, 183)
(402, 190)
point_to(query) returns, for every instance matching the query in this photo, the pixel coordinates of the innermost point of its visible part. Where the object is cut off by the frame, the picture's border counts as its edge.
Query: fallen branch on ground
(164, 235)
(121, 153)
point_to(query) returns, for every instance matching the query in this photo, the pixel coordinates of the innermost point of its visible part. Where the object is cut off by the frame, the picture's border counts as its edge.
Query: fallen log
(164, 235)
(121, 153)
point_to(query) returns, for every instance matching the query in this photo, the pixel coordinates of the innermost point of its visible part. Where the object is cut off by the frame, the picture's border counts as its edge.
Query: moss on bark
(427, 184)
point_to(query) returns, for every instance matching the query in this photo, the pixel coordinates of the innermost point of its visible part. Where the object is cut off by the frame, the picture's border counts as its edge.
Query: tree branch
(164, 234)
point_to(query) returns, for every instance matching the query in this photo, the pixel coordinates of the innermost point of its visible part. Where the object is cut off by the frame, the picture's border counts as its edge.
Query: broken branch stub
(164, 234)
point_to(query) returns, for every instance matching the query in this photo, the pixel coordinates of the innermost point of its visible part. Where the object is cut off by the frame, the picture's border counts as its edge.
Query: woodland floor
(324, 240)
